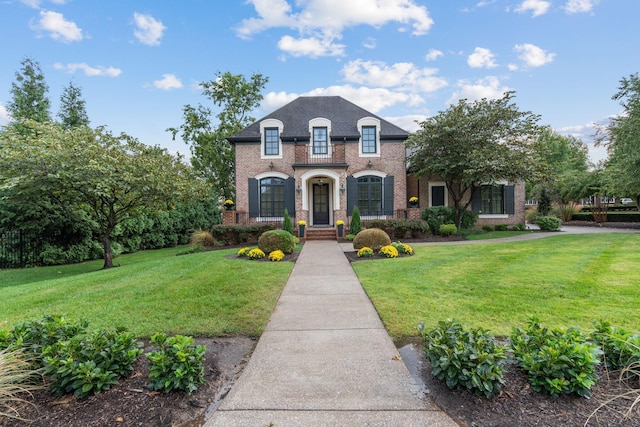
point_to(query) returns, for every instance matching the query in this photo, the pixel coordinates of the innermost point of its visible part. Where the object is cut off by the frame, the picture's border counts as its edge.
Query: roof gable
(343, 114)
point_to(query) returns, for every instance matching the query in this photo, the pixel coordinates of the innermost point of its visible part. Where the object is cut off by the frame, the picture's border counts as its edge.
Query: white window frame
(446, 192)
(271, 124)
(369, 122)
(320, 122)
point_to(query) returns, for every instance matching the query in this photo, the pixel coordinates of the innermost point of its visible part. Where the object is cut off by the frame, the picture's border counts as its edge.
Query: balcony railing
(333, 154)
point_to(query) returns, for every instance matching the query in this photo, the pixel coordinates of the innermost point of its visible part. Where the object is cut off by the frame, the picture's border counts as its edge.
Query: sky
(139, 62)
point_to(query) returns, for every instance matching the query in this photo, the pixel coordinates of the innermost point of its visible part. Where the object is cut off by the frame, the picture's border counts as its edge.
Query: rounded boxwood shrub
(274, 240)
(448, 229)
(373, 238)
(548, 223)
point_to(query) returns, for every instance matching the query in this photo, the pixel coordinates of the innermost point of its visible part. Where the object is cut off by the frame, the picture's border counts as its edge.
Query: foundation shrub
(621, 348)
(274, 240)
(502, 227)
(447, 229)
(400, 228)
(355, 226)
(436, 216)
(373, 238)
(465, 359)
(518, 227)
(556, 361)
(487, 228)
(229, 235)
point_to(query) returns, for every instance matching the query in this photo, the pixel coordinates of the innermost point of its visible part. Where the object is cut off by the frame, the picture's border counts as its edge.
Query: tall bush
(438, 215)
(355, 226)
(287, 225)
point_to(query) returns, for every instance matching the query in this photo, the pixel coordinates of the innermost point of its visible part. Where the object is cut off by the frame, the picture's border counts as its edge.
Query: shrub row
(611, 216)
(437, 216)
(82, 363)
(556, 361)
(398, 228)
(229, 235)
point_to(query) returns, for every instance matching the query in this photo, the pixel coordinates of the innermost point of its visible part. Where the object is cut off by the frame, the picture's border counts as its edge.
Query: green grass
(565, 281)
(202, 294)
(495, 235)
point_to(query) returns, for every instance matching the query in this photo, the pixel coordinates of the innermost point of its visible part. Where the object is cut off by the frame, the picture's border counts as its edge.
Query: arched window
(370, 195)
(271, 197)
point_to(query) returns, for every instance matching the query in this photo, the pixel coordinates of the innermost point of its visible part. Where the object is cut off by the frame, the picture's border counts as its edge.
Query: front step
(320, 234)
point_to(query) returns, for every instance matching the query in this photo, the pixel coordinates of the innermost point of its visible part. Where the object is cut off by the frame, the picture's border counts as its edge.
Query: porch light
(341, 188)
(369, 165)
(299, 190)
(271, 166)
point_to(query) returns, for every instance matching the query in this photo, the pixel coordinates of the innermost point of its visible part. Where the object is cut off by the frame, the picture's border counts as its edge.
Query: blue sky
(139, 62)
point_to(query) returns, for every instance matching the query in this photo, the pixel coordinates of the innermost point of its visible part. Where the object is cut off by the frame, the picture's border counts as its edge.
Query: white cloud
(481, 58)
(532, 55)
(410, 123)
(579, 6)
(58, 27)
(370, 43)
(403, 76)
(312, 47)
(433, 54)
(371, 99)
(168, 82)
(149, 31)
(489, 87)
(538, 7)
(322, 21)
(89, 70)
(5, 117)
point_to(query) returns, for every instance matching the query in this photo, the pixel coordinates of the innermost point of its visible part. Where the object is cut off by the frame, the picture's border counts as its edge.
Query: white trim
(446, 192)
(496, 216)
(308, 176)
(271, 175)
(373, 122)
(320, 122)
(368, 172)
(271, 123)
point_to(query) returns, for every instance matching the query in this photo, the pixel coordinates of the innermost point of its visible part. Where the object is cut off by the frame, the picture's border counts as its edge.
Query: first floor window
(272, 197)
(370, 195)
(492, 197)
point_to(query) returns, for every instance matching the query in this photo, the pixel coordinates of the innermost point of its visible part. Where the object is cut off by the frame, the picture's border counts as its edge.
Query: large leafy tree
(211, 154)
(73, 110)
(110, 178)
(622, 139)
(566, 162)
(473, 143)
(29, 94)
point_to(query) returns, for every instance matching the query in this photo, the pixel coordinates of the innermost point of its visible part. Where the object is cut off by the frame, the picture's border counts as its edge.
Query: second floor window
(369, 145)
(320, 141)
(271, 142)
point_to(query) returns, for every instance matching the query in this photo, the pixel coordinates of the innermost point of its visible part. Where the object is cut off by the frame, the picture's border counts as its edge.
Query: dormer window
(270, 142)
(320, 142)
(369, 128)
(369, 138)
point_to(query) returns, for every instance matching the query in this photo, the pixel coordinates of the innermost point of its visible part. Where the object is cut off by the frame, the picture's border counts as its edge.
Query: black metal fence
(19, 249)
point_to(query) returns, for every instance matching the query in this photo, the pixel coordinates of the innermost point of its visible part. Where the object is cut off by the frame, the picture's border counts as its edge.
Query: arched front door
(320, 204)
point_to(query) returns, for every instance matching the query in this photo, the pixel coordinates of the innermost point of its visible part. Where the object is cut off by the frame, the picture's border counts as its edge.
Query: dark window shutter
(509, 199)
(290, 196)
(352, 194)
(254, 203)
(476, 199)
(388, 195)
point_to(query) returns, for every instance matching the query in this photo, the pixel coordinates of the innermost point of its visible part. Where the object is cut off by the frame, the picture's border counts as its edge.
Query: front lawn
(564, 280)
(202, 294)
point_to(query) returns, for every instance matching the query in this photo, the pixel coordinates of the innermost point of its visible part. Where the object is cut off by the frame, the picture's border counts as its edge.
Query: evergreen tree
(29, 94)
(72, 107)
(355, 226)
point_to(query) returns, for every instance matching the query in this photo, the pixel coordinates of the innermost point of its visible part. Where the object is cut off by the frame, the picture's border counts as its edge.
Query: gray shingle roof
(343, 114)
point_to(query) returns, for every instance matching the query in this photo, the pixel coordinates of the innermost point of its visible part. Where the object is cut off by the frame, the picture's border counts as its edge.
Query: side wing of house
(319, 157)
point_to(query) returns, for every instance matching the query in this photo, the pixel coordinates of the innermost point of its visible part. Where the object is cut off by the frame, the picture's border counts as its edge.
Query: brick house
(318, 157)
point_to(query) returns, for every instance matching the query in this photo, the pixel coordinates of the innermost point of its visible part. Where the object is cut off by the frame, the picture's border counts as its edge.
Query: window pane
(320, 141)
(272, 197)
(492, 199)
(369, 139)
(370, 195)
(271, 143)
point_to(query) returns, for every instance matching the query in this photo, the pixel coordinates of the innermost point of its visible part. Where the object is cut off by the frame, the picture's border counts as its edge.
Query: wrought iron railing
(331, 154)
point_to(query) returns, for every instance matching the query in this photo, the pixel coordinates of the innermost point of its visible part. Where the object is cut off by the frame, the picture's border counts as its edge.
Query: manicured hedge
(400, 228)
(611, 216)
(238, 234)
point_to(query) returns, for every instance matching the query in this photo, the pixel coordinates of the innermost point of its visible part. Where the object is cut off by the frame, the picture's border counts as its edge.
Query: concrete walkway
(325, 358)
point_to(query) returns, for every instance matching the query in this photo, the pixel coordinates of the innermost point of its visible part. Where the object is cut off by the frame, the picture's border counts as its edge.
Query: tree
(110, 178)
(475, 143)
(622, 139)
(29, 94)
(73, 111)
(212, 156)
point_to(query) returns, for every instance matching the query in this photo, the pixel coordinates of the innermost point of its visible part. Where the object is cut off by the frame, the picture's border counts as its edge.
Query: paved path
(325, 358)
